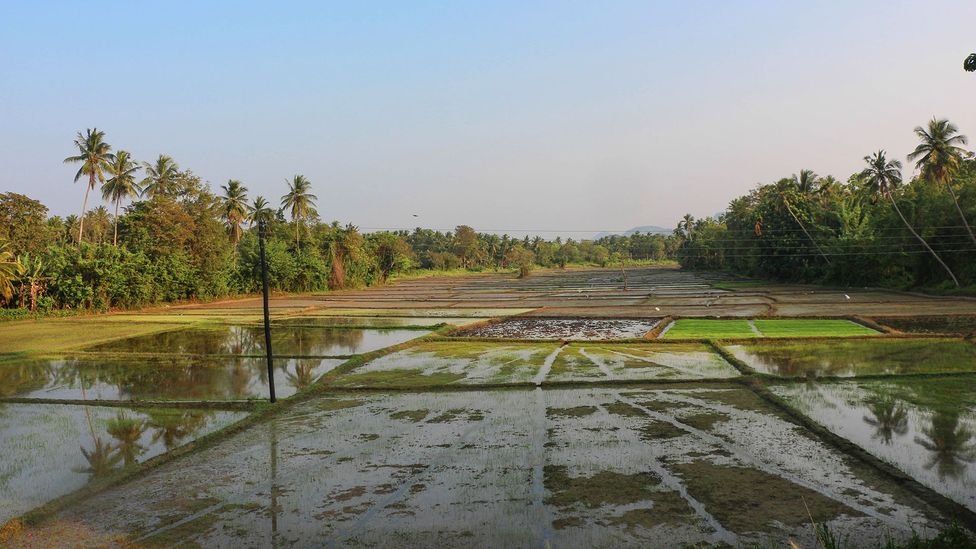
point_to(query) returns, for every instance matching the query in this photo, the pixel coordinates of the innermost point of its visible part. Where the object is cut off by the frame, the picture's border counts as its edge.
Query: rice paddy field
(567, 409)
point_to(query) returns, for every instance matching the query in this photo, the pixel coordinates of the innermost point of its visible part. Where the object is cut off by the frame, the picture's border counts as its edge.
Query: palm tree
(300, 202)
(121, 185)
(939, 156)
(235, 207)
(806, 182)
(687, 225)
(95, 156)
(260, 211)
(10, 272)
(160, 177)
(882, 177)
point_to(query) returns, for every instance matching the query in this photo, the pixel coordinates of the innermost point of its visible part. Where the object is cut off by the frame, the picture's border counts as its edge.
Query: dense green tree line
(165, 236)
(876, 228)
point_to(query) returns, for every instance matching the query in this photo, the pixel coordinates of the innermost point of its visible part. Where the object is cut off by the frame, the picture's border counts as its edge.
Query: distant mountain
(644, 229)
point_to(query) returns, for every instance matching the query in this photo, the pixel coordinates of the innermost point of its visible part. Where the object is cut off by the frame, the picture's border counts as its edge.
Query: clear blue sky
(503, 115)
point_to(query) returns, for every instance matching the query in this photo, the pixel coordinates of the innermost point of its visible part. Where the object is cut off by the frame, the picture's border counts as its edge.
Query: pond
(249, 341)
(50, 450)
(925, 427)
(163, 378)
(851, 358)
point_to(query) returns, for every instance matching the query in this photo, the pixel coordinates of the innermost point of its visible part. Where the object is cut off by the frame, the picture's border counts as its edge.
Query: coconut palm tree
(806, 182)
(300, 202)
(160, 176)
(235, 207)
(882, 177)
(939, 155)
(121, 185)
(11, 271)
(687, 226)
(95, 156)
(260, 211)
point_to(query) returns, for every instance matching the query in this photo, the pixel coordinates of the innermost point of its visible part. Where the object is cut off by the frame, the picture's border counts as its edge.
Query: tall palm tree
(939, 155)
(806, 182)
(687, 225)
(300, 202)
(260, 211)
(882, 177)
(95, 156)
(160, 176)
(235, 207)
(121, 185)
(11, 271)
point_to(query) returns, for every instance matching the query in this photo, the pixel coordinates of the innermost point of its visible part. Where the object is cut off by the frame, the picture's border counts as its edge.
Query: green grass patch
(707, 328)
(802, 327)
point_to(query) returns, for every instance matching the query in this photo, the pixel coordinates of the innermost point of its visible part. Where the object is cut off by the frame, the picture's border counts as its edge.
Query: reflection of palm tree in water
(949, 444)
(172, 426)
(127, 431)
(101, 458)
(890, 418)
(303, 376)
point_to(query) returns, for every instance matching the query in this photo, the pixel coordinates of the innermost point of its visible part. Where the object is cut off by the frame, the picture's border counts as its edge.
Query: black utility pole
(262, 233)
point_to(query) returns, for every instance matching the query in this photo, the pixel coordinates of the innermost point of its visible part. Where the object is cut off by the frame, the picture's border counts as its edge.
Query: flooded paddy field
(329, 321)
(601, 439)
(564, 328)
(523, 468)
(850, 358)
(926, 428)
(161, 378)
(249, 341)
(51, 450)
(486, 363)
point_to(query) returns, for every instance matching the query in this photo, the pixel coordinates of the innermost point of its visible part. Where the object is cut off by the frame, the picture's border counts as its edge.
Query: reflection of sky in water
(936, 448)
(49, 449)
(159, 379)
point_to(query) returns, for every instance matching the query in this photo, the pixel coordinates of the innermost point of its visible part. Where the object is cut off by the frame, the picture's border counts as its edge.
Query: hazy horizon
(548, 118)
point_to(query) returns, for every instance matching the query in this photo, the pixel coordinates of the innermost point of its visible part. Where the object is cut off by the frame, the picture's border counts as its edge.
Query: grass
(736, 284)
(706, 328)
(56, 335)
(798, 327)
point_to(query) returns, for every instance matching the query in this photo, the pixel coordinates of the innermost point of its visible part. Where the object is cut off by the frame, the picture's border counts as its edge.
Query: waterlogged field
(596, 440)
(522, 468)
(850, 358)
(478, 363)
(249, 341)
(926, 428)
(173, 378)
(957, 324)
(51, 450)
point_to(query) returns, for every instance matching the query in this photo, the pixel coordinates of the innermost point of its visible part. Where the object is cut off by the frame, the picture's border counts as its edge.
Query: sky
(559, 117)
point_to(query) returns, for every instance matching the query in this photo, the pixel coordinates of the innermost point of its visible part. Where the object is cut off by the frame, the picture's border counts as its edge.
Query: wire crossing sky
(493, 114)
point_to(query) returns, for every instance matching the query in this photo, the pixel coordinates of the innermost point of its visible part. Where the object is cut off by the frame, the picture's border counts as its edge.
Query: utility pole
(262, 233)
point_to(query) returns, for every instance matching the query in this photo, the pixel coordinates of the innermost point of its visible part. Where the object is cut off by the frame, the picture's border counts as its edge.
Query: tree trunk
(962, 216)
(922, 240)
(115, 235)
(84, 206)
